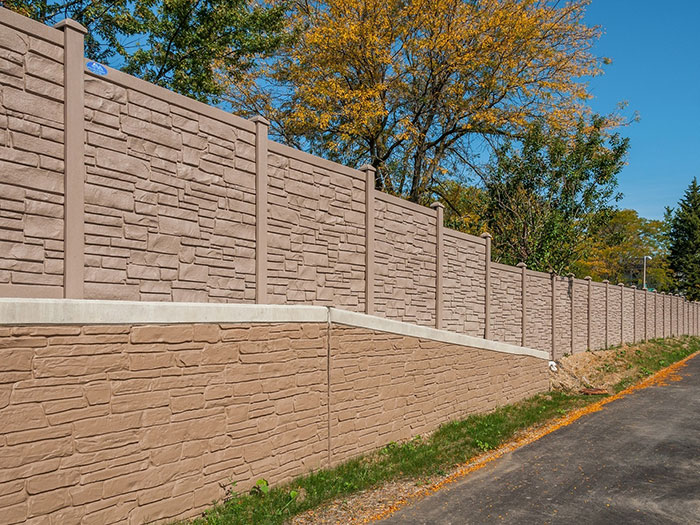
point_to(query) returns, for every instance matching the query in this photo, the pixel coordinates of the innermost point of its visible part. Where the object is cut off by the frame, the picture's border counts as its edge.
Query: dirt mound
(602, 369)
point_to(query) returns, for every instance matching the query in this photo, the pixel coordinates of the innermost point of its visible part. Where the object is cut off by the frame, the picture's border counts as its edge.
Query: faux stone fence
(114, 188)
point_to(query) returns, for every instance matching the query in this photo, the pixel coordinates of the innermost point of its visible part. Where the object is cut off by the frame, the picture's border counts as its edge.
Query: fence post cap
(367, 167)
(486, 235)
(521, 264)
(437, 204)
(588, 278)
(69, 23)
(259, 119)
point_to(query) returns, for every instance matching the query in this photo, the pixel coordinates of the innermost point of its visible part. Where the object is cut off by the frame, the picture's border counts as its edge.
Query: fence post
(369, 237)
(622, 313)
(523, 298)
(607, 287)
(634, 314)
(261, 129)
(487, 287)
(572, 285)
(439, 213)
(588, 334)
(74, 159)
(553, 278)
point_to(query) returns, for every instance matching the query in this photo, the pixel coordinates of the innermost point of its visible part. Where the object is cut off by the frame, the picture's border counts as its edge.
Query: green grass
(452, 444)
(652, 356)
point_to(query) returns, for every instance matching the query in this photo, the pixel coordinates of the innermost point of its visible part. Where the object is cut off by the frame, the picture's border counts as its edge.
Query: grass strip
(451, 445)
(650, 357)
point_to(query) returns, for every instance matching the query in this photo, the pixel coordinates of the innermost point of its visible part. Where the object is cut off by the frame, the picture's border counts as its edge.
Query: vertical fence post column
(439, 217)
(261, 129)
(523, 298)
(74, 159)
(622, 313)
(634, 314)
(607, 290)
(487, 287)
(553, 277)
(572, 285)
(588, 323)
(369, 237)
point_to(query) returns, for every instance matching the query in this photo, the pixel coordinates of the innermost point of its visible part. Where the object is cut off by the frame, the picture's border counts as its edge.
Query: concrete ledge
(89, 312)
(423, 332)
(86, 312)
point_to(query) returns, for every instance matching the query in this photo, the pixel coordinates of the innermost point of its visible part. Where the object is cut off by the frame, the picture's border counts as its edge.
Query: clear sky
(655, 48)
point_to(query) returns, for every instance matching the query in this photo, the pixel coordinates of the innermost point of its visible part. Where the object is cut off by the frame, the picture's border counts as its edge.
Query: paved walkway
(636, 461)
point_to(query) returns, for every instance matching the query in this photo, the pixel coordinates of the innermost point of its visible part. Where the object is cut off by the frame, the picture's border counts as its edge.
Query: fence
(131, 411)
(113, 188)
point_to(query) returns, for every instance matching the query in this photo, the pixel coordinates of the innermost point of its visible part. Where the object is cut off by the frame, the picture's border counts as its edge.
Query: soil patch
(602, 370)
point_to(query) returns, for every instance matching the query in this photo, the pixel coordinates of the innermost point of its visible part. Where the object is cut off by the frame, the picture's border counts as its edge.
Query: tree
(409, 85)
(177, 44)
(684, 256)
(547, 196)
(619, 246)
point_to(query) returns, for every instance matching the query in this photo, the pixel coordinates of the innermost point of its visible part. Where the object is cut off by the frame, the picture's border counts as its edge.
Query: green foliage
(684, 256)
(261, 488)
(618, 247)
(547, 196)
(178, 44)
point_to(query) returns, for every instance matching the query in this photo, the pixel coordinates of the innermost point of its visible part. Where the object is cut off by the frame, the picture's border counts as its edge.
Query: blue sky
(655, 47)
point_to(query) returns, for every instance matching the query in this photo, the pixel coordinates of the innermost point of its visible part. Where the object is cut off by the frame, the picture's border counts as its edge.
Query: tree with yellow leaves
(414, 86)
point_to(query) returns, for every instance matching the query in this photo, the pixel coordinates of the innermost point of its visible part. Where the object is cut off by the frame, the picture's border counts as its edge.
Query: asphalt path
(635, 461)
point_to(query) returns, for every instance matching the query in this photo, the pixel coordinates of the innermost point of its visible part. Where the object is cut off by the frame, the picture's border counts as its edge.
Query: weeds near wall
(452, 444)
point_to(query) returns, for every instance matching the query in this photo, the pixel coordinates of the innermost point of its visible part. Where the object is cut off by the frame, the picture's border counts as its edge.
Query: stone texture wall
(562, 333)
(386, 387)
(31, 159)
(463, 283)
(405, 258)
(628, 314)
(614, 319)
(580, 288)
(136, 423)
(598, 314)
(169, 200)
(539, 311)
(128, 424)
(506, 304)
(316, 231)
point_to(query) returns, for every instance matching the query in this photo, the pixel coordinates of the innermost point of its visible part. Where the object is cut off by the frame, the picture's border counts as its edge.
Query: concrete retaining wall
(143, 417)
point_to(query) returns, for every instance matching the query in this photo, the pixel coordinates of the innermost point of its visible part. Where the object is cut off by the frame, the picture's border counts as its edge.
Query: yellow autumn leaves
(402, 83)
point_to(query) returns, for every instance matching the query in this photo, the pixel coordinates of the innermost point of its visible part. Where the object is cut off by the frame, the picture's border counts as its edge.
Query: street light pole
(645, 271)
